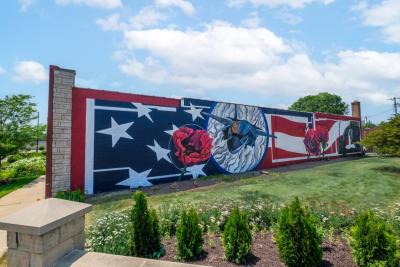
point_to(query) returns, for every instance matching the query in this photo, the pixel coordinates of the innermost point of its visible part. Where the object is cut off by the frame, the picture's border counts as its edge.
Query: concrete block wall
(59, 130)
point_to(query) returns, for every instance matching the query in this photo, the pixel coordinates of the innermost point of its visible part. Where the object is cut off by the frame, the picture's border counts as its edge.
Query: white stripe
(134, 109)
(294, 118)
(89, 146)
(290, 143)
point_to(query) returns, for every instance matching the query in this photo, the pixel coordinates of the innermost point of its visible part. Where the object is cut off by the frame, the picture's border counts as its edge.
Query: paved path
(19, 199)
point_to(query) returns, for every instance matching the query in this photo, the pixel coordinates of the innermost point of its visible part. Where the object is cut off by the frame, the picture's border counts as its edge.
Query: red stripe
(325, 123)
(282, 125)
(283, 154)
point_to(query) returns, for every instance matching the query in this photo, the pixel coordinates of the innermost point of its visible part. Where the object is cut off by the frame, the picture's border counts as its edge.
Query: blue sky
(260, 52)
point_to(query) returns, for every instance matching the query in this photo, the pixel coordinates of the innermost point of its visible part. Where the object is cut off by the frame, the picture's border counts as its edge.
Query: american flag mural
(124, 141)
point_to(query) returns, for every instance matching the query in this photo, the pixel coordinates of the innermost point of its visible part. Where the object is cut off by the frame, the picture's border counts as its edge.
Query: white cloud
(2, 70)
(147, 17)
(288, 17)
(30, 72)
(25, 4)
(385, 15)
(223, 56)
(107, 4)
(184, 5)
(277, 3)
(252, 21)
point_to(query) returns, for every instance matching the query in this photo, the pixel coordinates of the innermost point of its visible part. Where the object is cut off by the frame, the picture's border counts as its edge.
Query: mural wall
(124, 141)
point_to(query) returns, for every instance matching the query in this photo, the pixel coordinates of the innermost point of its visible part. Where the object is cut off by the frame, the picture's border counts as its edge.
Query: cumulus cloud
(277, 3)
(385, 15)
(107, 4)
(184, 5)
(224, 56)
(25, 4)
(252, 21)
(147, 17)
(29, 72)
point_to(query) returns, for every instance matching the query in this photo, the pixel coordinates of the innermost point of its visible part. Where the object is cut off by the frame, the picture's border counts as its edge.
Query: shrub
(237, 237)
(145, 234)
(189, 235)
(110, 234)
(34, 166)
(24, 155)
(76, 195)
(169, 216)
(373, 242)
(298, 240)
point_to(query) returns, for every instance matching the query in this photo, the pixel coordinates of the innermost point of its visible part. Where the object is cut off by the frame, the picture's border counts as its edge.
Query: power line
(380, 113)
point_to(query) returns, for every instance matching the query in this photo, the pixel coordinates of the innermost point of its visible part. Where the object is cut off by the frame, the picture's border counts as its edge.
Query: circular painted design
(240, 136)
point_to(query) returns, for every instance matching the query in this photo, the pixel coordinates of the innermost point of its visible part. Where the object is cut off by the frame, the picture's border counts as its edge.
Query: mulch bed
(264, 253)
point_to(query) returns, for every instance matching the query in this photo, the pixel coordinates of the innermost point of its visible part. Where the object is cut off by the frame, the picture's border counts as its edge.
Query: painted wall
(124, 141)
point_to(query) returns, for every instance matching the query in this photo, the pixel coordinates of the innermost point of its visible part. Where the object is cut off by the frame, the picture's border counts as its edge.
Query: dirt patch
(264, 253)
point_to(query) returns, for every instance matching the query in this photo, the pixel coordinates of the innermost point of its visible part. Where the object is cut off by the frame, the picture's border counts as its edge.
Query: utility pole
(396, 104)
(37, 134)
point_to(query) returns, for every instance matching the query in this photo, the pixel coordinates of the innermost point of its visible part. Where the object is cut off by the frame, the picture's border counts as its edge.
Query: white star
(196, 170)
(143, 110)
(171, 132)
(117, 131)
(195, 112)
(136, 179)
(161, 153)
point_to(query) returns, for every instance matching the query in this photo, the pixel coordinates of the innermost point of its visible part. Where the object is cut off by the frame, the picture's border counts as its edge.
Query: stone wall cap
(79, 258)
(44, 216)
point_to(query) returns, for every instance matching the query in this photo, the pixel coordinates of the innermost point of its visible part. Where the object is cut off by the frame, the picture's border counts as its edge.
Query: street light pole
(37, 133)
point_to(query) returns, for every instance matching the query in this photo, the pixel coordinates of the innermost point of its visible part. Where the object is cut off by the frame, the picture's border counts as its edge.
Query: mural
(136, 141)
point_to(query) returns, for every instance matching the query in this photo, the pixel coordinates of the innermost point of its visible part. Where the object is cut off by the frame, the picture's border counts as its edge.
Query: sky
(259, 52)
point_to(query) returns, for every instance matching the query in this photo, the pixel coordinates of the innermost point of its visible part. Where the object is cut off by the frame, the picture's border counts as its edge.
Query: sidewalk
(24, 197)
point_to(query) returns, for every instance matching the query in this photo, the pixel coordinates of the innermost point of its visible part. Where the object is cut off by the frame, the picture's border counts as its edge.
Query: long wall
(121, 140)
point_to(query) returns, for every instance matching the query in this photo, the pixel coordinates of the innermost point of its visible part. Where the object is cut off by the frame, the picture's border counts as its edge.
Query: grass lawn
(15, 184)
(359, 184)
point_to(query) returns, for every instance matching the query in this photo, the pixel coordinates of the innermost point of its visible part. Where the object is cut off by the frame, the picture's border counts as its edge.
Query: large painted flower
(311, 142)
(316, 140)
(192, 146)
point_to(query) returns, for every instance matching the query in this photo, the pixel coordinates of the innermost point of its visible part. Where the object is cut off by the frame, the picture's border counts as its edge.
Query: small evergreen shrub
(75, 195)
(373, 242)
(299, 243)
(237, 237)
(145, 233)
(189, 235)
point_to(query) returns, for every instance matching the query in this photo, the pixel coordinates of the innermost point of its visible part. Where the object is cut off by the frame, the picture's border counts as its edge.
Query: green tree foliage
(373, 242)
(237, 237)
(16, 131)
(323, 102)
(298, 240)
(369, 125)
(385, 139)
(145, 233)
(189, 235)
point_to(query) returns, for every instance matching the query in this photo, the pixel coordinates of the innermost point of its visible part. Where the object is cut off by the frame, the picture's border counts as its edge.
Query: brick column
(58, 163)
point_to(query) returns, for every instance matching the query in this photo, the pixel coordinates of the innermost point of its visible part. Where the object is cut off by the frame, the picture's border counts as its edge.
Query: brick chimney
(356, 109)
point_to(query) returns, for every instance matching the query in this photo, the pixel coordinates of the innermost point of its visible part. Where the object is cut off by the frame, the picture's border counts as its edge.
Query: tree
(385, 139)
(323, 102)
(16, 130)
(369, 125)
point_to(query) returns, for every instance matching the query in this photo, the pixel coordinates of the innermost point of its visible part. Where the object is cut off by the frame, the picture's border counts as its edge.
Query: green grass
(359, 184)
(15, 184)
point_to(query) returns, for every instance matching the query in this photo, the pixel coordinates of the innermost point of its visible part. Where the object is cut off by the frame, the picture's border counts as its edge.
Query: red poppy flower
(192, 146)
(314, 138)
